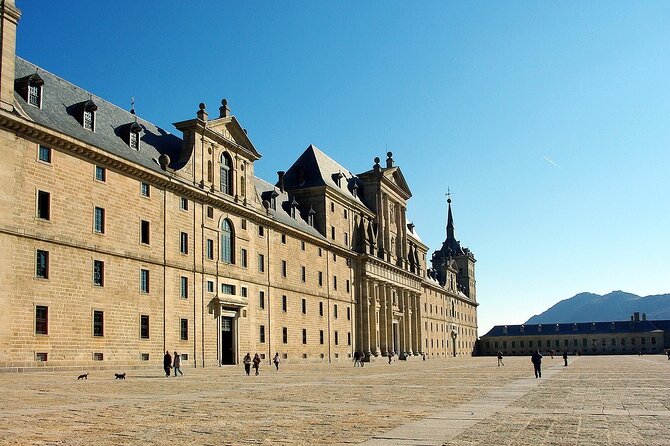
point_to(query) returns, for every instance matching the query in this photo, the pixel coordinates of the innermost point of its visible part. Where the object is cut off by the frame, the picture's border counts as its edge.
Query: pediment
(394, 177)
(231, 130)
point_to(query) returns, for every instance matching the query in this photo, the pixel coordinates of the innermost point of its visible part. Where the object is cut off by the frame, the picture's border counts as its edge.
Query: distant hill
(615, 306)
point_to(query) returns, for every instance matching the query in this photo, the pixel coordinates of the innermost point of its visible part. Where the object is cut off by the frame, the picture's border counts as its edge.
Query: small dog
(84, 376)
(120, 376)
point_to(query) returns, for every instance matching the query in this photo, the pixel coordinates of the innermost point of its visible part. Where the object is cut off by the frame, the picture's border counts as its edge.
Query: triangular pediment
(395, 177)
(230, 129)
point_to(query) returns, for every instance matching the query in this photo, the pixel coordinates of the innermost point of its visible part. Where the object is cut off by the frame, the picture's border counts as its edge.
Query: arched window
(226, 174)
(227, 241)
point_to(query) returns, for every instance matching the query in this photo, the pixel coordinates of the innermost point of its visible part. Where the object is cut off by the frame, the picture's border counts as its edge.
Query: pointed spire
(450, 218)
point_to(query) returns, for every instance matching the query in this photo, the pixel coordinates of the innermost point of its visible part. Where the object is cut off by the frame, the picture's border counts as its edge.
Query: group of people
(536, 359)
(256, 362)
(170, 362)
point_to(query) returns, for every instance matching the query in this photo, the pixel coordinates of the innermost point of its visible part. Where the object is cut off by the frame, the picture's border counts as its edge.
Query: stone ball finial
(224, 102)
(389, 154)
(377, 160)
(202, 106)
(164, 161)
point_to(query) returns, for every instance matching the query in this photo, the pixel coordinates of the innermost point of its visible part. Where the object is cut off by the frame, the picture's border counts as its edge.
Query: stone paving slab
(595, 401)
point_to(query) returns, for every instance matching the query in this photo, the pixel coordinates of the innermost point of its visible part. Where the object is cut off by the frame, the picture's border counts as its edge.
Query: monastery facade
(121, 241)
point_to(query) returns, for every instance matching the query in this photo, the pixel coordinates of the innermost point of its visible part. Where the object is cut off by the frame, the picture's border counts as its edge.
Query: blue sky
(547, 120)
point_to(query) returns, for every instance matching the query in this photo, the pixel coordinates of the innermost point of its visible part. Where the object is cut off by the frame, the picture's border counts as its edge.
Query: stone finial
(202, 114)
(164, 161)
(377, 167)
(389, 159)
(224, 111)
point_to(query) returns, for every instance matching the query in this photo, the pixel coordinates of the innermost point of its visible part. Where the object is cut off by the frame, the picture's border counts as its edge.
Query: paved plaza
(606, 400)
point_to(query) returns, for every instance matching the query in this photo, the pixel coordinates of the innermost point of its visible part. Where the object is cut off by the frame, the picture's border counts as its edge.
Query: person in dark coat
(247, 363)
(257, 362)
(500, 359)
(275, 360)
(536, 359)
(167, 363)
(565, 358)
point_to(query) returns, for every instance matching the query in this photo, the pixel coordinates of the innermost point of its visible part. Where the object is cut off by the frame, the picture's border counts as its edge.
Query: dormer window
(557, 328)
(134, 136)
(522, 329)
(294, 206)
(30, 88)
(539, 328)
(310, 216)
(273, 200)
(88, 115)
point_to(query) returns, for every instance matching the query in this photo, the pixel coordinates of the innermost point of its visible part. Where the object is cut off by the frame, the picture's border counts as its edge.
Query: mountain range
(614, 306)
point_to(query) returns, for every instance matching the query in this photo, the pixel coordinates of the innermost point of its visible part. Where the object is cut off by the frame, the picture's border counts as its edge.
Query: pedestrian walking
(247, 363)
(177, 364)
(257, 362)
(565, 358)
(357, 359)
(390, 356)
(275, 360)
(500, 359)
(167, 363)
(668, 354)
(536, 359)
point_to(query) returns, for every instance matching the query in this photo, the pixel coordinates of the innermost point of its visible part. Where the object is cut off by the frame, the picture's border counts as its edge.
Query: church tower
(453, 263)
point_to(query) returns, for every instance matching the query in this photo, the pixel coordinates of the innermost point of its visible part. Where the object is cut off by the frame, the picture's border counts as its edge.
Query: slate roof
(60, 100)
(579, 328)
(314, 169)
(281, 214)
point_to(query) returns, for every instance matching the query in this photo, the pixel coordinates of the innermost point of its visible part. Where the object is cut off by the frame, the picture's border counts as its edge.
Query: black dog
(120, 376)
(84, 376)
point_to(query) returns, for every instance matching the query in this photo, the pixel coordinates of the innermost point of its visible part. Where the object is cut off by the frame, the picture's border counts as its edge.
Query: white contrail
(551, 162)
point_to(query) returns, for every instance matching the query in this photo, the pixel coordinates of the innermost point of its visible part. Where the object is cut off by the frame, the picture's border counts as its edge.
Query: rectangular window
(44, 154)
(348, 338)
(320, 308)
(98, 356)
(335, 311)
(42, 264)
(98, 323)
(183, 243)
(261, 263)
(302, 245)
(144, 280)
(335, 283)
(133, 140)
(284, 304)
(347, 285)
(183, 203)
(210, 286)
(261, 299)
(145, 231)
(183, 329)
(41, 356)
(244, 223)
(320, 252)
(100, 173)
(243, 258)
(304, 336)
(283, 239)
(321, 337)
(210, 212)
(303, 274)
(284, 335)
(283, 268)
(261, 334)
(332, 232)
(144, 326)
(41, 320)
(348, 313)
(43, 205)
(261, 231)
(346, 215)
(99, 220)
(210, 249)
(337, 340)
(34, 95)
(332, 206)
(243, 291)
(320, 278)
(183, 287)
(88, 120)
(304, 306)
(346, 238)
(98, 273)
(228, 289)
(145, 189)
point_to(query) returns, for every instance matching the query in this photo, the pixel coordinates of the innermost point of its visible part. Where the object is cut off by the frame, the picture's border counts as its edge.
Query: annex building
(636, 336)
(121, 241)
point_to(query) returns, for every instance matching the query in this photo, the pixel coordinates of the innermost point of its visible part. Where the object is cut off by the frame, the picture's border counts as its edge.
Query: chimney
(389, 160)
(644, 316)
(224, 111)
(202, 114)
(637, 316)
(280, 176)
(9, 18)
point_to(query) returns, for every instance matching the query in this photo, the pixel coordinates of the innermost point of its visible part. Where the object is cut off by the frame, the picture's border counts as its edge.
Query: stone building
(590, 338)
(122, 240)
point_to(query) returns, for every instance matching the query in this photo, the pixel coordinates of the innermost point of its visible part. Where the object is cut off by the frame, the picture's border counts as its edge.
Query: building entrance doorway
(227, 340)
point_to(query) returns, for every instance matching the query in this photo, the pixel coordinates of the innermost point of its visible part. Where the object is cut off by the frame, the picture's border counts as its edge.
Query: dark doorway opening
(227, 341)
